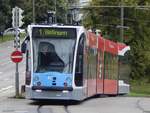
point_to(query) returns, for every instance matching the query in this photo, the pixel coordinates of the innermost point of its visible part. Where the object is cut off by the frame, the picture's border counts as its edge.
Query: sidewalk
(144, 105)
(12, 105)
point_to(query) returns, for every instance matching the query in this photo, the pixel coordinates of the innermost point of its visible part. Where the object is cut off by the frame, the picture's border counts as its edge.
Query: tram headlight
(65, 84)
(68, 81)
(36, 78)
(38, 83)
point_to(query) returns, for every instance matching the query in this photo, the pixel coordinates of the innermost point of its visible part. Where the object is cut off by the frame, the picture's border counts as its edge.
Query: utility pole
(122, 37)
(55, 11)
(122, 21)
(67, 12)
(33, 11)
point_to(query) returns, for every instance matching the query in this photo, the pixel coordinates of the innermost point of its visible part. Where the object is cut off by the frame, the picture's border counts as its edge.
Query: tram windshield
(53, 54)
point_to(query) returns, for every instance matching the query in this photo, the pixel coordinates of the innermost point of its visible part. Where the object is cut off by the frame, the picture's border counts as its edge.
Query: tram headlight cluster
(36, 78)
(68, 82)
(36, 81)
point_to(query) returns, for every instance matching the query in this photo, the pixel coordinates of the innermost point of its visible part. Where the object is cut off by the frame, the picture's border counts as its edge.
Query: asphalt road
(92, 105)
(7, 70)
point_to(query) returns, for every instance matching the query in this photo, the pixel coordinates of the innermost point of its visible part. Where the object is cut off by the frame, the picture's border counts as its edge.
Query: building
(84, 2)
(75, 10)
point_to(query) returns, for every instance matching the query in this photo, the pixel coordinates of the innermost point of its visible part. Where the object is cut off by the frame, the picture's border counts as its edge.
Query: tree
(105, 19)
(41, 9)
(5, 13)
(136, 19)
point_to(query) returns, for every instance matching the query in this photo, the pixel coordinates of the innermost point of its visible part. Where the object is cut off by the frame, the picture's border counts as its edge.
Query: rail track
(53, 107)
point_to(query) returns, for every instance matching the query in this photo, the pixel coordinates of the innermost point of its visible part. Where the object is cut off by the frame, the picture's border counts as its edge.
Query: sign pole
(17, 72)
(16, 23)
(17, 81)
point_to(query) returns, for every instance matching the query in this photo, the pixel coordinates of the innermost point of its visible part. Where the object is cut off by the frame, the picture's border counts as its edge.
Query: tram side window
(111, 66)
(79, 63)
(114, 67)
(92, 63)
(105, 66)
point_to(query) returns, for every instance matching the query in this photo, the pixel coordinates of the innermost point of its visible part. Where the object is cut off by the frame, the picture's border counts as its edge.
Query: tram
(70, 63)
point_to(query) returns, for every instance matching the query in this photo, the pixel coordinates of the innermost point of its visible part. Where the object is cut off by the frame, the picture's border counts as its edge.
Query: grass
(9, 37)
(6, 38)
(132, 94)
(140, 88)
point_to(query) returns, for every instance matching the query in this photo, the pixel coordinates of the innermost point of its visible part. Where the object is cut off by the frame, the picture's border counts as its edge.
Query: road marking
(21, 111)
(6, 88)
(9, 47)
(1, 72)
(5, 63)
(9, 110)
(6, 79)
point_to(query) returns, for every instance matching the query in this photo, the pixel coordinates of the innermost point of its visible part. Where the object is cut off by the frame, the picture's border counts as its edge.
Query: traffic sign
(16, 56)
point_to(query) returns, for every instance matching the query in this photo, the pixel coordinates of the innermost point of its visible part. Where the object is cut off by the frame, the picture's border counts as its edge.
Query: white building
(75, 10)
(84, 2)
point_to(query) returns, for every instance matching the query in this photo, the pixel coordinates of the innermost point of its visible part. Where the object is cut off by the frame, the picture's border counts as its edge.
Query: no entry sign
(16, 56)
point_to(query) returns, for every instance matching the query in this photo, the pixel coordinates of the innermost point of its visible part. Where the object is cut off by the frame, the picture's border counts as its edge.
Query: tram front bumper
(53, 88)
(58, 95)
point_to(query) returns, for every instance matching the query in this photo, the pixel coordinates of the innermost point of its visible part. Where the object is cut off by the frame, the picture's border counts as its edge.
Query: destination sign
(45, 32)
(54, 32)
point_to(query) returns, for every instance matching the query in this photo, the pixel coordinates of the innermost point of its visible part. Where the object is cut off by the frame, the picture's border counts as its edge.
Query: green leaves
(138, 35)
(41, 9)
(5, 12)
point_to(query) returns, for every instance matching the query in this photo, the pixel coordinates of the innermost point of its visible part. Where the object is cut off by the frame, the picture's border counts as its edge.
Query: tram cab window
(48, 60)
(24, 44)
(79, 62)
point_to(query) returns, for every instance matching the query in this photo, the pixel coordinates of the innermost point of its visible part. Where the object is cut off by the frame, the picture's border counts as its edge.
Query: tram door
(91, 64)
(110, 74)
(92, 71)
(100, 68)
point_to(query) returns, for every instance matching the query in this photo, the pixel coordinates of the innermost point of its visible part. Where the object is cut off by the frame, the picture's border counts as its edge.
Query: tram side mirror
(23, 47)
(80, 50)
(24, 44)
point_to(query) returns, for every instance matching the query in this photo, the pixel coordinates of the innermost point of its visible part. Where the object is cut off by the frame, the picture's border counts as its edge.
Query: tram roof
(56, 26)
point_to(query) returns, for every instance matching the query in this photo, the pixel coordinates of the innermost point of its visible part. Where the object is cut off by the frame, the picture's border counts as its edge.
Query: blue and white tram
(54, 62)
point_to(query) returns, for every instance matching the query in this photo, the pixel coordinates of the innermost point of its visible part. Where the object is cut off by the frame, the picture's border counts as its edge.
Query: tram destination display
(45, 32)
